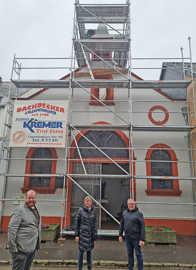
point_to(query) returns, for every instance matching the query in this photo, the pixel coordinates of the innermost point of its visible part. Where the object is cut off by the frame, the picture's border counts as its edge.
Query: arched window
(41, 161)
(106, 141)
(162, 162)
(105, 95)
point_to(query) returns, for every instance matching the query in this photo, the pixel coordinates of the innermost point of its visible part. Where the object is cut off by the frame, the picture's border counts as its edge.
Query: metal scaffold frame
(117, 20)
(4, 150)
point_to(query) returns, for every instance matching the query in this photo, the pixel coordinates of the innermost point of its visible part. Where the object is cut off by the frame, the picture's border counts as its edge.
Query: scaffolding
(101, 45)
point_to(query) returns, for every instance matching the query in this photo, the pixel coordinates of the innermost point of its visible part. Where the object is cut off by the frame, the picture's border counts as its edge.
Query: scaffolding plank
(75, 83)
(160, 84)
(98, 13)
(116, 20)
(104, 176)
(41, 83)
(78, 176)
(100, 83)
(106, 45)
(102, 127)
(97, 83)
(164, 128)
(136, 128)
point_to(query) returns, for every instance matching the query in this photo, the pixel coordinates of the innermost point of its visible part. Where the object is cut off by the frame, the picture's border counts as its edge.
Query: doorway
(115, 193)
(111, 193)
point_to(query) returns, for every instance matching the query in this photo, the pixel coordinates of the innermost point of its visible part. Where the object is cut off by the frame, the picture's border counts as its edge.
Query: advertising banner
(39, 123)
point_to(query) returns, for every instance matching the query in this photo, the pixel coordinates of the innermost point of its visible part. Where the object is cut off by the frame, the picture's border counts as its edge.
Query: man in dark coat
(132, 224)
(85, 232)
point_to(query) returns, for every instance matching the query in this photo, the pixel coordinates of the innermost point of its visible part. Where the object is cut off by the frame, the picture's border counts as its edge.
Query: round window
(158, 115)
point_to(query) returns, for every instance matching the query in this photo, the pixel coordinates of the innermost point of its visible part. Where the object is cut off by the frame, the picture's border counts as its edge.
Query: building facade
(115, 136)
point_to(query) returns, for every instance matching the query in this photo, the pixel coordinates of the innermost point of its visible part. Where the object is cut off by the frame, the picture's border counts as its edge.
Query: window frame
(162, 192)
(42, 190)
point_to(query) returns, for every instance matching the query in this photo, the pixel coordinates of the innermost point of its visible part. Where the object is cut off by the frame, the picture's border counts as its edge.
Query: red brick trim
(181, 226)
(45, 220)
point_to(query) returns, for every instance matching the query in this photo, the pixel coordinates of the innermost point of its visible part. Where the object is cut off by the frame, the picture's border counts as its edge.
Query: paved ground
(3, 267)
(111, 250)
(61, 268)
(146, 267)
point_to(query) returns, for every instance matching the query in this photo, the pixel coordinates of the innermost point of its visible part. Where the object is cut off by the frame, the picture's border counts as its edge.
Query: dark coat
(85, 228)
(132, 223)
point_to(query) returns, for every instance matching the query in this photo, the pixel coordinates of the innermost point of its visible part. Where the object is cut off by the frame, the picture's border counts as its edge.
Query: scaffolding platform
(160, 84)
(135, 128)
(100, 84)
(99, 13)
(71, 84)
(107, 45)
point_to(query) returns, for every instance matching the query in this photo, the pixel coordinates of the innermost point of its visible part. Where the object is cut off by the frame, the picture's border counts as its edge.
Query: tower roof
(101, 32)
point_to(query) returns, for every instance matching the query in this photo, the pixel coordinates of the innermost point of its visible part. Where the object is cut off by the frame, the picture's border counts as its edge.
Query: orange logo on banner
(19, 137)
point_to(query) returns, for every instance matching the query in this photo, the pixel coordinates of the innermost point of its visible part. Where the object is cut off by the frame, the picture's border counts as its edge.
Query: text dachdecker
(41, 105)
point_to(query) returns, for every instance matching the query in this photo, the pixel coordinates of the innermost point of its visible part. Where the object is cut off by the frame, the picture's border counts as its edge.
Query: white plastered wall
(83, 113)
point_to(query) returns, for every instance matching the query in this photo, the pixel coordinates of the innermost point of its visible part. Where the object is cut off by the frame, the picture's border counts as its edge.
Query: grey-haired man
(132, 224)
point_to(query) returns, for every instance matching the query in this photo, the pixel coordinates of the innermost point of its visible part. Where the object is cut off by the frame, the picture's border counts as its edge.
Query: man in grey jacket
(132, 224)
(23, 233)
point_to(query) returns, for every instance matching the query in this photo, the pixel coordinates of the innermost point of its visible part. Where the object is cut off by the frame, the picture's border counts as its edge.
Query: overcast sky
(44, 28)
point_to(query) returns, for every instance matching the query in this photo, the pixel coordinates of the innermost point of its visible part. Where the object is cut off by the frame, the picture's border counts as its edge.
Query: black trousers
(22, 261)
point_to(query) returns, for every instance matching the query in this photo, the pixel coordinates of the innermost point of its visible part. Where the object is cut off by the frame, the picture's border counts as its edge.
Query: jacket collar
(86, 209)
(26, 206)
(136, 209)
